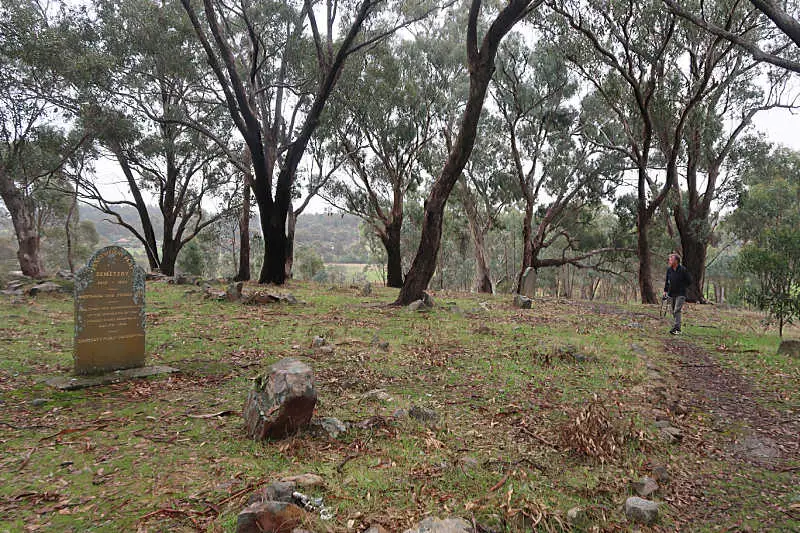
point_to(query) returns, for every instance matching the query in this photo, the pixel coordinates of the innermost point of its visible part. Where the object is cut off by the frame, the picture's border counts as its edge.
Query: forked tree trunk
(481, 68)
(23, 219)
(483, 275)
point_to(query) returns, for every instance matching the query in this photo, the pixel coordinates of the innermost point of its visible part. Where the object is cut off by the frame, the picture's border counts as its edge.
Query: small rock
(36, 402)
(318, 342)
(305, 480)
(427, 300)
(423, 414)
(645, 486)
(366, 290)
(678, 409)
(576, 515)
(65, 274)
(640, 510)
(377, 394)
(400, 413)
(449, 525)
(671, 434)
(333, 427)
(376, 528)
(234, 292)
(326, 349)
(661, 473)
(634, 325)
(523, 302)
(661, 424)
(417, 305)
(281, 401)
(279, 491)
(789, 347)
(273, 517)
(377, 343)
(47, 286)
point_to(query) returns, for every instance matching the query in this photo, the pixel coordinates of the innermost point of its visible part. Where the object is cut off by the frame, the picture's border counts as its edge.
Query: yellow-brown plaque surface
(109, 313)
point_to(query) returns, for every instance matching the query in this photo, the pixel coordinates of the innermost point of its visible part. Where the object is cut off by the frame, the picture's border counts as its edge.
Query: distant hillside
(335, 237)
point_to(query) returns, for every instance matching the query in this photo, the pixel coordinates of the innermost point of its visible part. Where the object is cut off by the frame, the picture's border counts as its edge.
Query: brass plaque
(109, 313)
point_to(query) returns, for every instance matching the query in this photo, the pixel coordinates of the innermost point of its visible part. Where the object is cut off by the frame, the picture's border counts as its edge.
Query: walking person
(677, 281)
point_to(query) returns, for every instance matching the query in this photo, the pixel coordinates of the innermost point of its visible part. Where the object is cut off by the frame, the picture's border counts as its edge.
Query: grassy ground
(139, 456)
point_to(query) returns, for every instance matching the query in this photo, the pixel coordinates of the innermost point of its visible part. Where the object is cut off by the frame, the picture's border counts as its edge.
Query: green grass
(110, 458)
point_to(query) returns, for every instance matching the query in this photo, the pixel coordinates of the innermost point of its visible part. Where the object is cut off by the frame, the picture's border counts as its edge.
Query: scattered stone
(789, 347)
(671, 434)
(36, 402)
(634, 325)
(640, 510)
(400, 413)
(318, 341)
(117, 376)
(382, 345)
(332, 427)
(645, 487)
(279, 491)
(281, 401)
(449, 525)
(183, 279)
(234, 292)
(664, 423)
(305, 480)
(523, 302)
(326, 349)
(377, 394)
(156, 276)
(376, 528)
(65, 274)
(423, 414)
(758, 448)
(576, 515)
(264, 298)
(678, 409)
(366, 290)
(660, 473)
(418, 305)
(638, 350)
(47, 286)
(273, 517)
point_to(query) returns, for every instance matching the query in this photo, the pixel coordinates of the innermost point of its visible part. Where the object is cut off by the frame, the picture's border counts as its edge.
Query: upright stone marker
(109, 313)
(528, 284)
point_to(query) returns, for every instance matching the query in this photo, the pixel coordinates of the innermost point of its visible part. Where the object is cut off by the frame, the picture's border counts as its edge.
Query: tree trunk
(527, 242)
(481, 68)
(244, 236)
(291, 224)
(169, 255)
(273, 269)
(394, 258)
(483, 275)
(23, 218)
(648, 295)
(68, 232)
(694, 259)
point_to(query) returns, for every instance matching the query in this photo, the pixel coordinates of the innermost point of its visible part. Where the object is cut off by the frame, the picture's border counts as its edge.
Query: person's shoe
(675, 331)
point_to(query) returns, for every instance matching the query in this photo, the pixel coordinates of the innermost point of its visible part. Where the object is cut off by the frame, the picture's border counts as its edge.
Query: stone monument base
(83, 382)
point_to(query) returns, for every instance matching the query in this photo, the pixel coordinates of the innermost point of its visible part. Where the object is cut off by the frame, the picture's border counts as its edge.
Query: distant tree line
(583, 140)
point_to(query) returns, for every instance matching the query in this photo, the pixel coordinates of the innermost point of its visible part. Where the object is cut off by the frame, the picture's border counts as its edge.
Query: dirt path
(739, 448)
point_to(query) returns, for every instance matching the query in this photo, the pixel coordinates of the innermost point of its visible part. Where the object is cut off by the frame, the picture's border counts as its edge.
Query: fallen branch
(537, 437)
(213, 415)
(73, 430)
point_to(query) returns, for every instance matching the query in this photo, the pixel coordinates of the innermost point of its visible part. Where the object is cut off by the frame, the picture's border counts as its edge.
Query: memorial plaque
(109, 313)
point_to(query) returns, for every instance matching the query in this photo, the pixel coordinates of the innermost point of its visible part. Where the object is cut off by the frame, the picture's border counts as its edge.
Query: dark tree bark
(483, 274)
(291, 224)
(244, 235)
(481, 67)
(390, 239)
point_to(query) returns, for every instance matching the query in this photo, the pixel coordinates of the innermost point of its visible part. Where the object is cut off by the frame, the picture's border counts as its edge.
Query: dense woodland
(583, 139)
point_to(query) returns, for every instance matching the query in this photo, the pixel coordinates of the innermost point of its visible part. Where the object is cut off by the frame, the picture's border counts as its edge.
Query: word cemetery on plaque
(109, 313)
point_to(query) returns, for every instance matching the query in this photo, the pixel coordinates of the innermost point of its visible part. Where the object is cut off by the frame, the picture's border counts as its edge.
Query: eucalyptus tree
(557, 169)
(36, 139)
(480, 65)
(778, 52)
(630, 52)
(386, 118)
(275, 94)
(158, 120)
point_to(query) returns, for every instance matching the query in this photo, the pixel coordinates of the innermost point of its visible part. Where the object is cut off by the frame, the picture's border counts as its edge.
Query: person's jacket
(678, 280)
